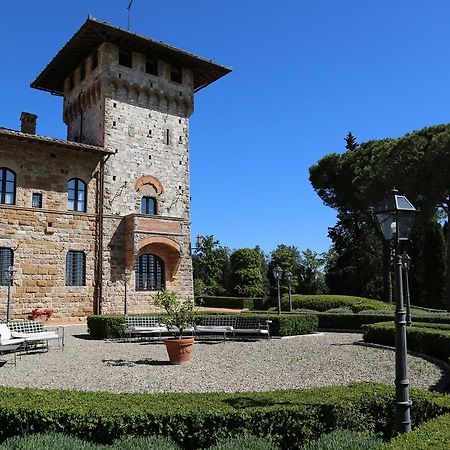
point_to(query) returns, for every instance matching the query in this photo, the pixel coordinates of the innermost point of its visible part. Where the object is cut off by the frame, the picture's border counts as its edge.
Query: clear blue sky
(305, 73)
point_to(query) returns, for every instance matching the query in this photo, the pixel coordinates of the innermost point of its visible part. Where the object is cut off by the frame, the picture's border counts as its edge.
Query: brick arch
(148, 179)
(166, 249)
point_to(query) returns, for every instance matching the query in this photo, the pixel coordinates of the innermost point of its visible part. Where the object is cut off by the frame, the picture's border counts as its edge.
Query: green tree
(211, 267)
(312, 277)
(350, 142)
(288, 258)
(247, 273)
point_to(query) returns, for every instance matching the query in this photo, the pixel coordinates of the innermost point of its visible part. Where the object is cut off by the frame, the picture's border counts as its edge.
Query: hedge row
(234, 302)
(432, 435)
(288, 418)
(326, 302)
(111, 327)
(350, 321)
(421, 338)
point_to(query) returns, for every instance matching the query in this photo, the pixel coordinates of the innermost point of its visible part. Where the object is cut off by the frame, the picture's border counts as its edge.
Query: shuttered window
(7, 186)
(6, 260)
(76, 195)
(75, 268)
(149, 270)
(148, 205)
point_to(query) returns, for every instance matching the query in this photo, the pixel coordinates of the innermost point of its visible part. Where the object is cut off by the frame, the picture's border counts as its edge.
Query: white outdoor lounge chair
(32, 333)
(8, 344)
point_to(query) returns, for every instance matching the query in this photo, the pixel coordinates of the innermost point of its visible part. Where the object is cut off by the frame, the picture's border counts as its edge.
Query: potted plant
(180, 316)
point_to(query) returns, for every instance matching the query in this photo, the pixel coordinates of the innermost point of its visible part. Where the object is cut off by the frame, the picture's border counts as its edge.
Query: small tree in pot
(180, 316)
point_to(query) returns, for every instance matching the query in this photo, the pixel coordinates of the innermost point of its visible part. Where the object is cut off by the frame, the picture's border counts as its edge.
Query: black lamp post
(395, 217)
(126, 277)
(277, 272)
(406, 262)
(289, 277)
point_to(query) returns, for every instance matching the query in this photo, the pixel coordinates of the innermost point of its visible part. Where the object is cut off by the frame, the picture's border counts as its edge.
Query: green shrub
(245, 442)
(345, 440)
(51, 441)
(106, 326)
(432, 435)
(326, 302)
(430, 341)
(144, 443)
(293, 324)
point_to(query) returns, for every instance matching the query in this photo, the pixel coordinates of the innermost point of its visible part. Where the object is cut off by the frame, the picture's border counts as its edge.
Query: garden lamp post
(126, 277)
(395, 216)
(277, 272)
(289, 277)
(10, 271)
(406, 262)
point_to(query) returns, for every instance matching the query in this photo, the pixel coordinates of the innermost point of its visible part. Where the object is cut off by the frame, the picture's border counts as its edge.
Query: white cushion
(10, 344)
(41, 336)
(5, 332)
(214, 329)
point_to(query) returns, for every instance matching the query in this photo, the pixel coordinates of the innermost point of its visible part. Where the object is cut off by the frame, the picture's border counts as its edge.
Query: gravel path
(298, 362)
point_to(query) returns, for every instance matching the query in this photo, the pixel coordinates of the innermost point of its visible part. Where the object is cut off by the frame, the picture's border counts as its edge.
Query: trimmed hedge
(432, 435)
(111, 327)
(287, 418)
(430, 341)
(234, 302)
(345, 440)
(325, 302)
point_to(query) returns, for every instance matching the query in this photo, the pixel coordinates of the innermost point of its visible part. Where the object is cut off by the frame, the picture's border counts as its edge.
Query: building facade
(77, 215)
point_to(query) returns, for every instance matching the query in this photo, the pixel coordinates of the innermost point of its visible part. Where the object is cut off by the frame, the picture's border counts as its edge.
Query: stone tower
(133, 96)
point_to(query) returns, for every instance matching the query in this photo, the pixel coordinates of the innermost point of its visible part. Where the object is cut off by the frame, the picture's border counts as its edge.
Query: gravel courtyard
(298, 362)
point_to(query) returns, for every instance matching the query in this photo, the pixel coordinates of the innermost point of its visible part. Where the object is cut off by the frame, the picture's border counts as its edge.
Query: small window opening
(180, 141)
(114, 178)
(175, 74)
(114, 123)
(36, 200)
(179, 120)
(125, 58)
(151, 66)
(114, 105)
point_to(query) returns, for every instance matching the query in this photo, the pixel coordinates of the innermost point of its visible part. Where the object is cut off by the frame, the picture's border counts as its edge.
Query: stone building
(76, 214)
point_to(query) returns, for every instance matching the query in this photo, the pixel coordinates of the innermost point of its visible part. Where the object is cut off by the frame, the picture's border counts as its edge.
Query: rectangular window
(75, 268)
(125, 57)
(175, 74)
(36, 200)
(151, 66)
(6, 260)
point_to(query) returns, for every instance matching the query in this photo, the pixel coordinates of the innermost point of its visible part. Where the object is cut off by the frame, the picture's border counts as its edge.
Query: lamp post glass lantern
(277, 272)
(395, 216)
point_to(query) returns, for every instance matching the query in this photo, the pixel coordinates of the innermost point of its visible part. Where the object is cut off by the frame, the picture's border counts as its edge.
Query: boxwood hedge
(287, 418)
(110, 327)
(422, 338)
(234, 302)
(326, 302)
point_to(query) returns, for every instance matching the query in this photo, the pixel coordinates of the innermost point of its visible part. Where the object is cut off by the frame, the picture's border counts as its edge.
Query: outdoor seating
(233, 326)
(33, 334)
(143, 326)
(8, 344)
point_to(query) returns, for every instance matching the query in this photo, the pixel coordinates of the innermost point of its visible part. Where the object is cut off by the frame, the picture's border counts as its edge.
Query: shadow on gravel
(125, 363)
(152, 362)
(86, 337)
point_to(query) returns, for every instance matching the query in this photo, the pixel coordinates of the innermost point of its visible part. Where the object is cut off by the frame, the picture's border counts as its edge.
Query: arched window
(76, 195)
(148, 205)
(149, 270)
(7, 186)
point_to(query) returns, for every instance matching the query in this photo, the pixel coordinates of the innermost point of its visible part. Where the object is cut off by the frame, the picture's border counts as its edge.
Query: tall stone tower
(133, 96)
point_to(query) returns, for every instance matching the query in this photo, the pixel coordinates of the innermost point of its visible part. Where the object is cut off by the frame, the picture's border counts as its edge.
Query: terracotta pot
(179, 350)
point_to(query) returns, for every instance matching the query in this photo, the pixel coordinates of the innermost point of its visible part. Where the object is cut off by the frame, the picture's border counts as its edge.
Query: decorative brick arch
(152, 181)
(166, 249)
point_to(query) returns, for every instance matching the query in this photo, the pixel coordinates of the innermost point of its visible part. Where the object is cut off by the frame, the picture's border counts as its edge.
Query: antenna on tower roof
(130, 2)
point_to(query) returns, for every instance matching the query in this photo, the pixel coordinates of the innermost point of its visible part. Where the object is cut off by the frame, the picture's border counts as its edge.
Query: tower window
(175, 74)
(36, 200)
(151, 66)
(125, 57)
(149, 270)
(75, 268)
(148, 205)
(6, 260)
(7, 186)
(76, 195)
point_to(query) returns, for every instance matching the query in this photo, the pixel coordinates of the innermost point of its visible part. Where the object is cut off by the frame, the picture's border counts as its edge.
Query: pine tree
(350, 142)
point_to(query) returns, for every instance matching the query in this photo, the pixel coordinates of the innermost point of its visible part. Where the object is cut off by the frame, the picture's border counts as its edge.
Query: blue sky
(304, 74)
